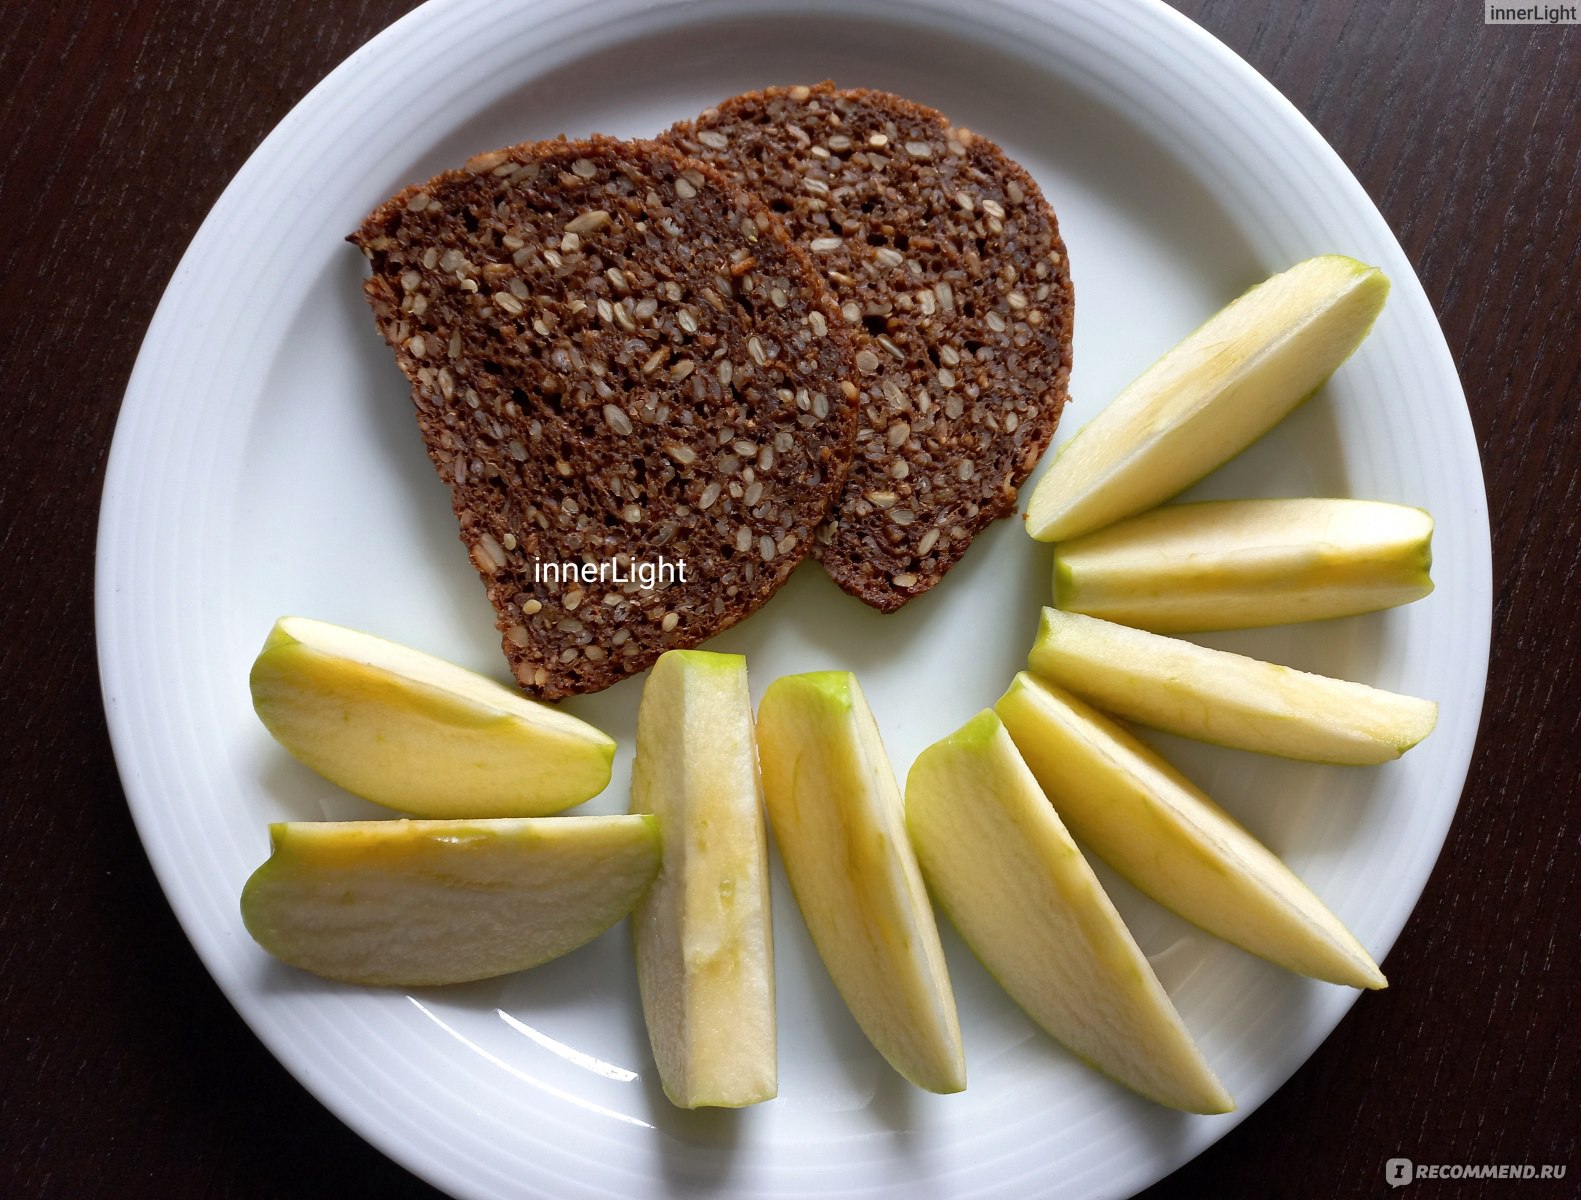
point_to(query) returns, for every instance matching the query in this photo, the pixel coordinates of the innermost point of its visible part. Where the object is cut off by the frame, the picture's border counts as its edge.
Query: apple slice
(414, 903)
(1147, 821)
(1228, 699)
(1234, 564)
(705, 948)
(1210, 397)
(415, 733)
(1007, 874)
(840, 825)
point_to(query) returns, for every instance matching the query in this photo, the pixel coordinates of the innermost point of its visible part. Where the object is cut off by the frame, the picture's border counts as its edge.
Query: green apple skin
(1236, 564)
(1012, 881)
(705, 945)
(1211, 396)
(839, 822)
(1157, 830)
(1223, 698)
(417, 734)
(418, 903)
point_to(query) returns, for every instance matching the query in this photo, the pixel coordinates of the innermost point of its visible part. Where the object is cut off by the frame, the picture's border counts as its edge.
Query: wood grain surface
(125, 1072)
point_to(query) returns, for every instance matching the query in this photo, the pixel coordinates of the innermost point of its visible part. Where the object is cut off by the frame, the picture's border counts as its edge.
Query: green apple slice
(1147, 821)
(1009, 876)
(705, 947)
(418, 734)
(1228, 699)
(416, 903)
(1210, 397)
(839, 822)
(1235, 564)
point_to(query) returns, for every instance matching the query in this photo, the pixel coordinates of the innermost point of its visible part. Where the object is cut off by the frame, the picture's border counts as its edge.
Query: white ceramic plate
(267, 462)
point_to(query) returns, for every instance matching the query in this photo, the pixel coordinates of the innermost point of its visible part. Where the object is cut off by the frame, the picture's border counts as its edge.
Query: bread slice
(949, 268)
(634, 383)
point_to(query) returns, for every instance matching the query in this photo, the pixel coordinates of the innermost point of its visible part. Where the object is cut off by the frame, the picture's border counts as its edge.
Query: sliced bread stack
(656, 375)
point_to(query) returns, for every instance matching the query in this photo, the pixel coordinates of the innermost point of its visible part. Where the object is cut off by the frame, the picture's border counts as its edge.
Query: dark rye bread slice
(616, 356)
(949, 267)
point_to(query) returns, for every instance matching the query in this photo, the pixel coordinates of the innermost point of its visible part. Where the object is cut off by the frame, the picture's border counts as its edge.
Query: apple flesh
(1235, 564)
(418, 734)
(1008, 875)
(705, 949)
(1210, 397)
(1228, 699)
(1153, 826)
(415, 903)
(839, 821)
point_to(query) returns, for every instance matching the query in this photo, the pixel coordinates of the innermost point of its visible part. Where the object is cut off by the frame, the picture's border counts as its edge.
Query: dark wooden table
(125, 1073)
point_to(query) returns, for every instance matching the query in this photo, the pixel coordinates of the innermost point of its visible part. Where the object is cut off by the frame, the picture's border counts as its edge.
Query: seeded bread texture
(615, 355)
(949, 269)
